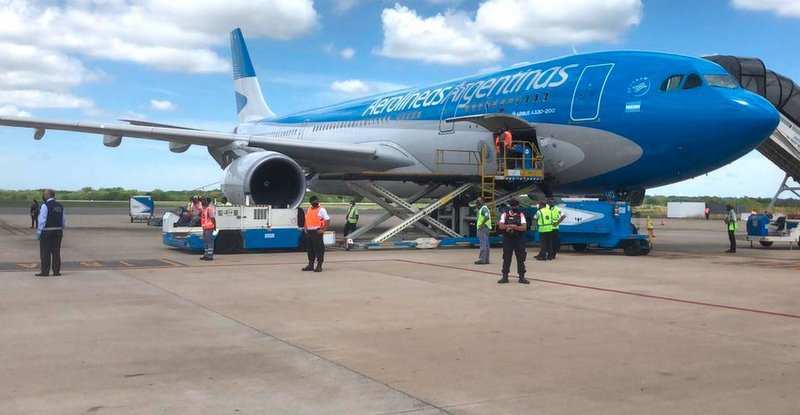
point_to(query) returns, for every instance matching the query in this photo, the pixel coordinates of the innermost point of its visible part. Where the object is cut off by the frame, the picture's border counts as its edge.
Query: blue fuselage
(609, 121)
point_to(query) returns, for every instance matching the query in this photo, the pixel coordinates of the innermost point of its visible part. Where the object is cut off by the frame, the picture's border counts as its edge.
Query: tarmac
(135, 328)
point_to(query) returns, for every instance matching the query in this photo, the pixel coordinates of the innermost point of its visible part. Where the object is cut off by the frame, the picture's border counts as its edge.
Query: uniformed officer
(513, 225)
(731, 223)
(484, 226)
(50, 231)
(544, 224)
(316, 221)
(557, 217)
(352, 219)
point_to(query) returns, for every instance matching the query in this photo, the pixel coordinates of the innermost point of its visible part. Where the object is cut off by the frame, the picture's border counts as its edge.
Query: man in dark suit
(50, 231)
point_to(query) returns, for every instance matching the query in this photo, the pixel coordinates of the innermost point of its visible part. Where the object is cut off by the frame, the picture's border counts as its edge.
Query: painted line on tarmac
(95, 265)
(615, 291)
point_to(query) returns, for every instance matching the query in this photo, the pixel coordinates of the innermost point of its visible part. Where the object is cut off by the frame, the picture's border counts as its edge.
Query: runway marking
(623, 292)
(96, 265)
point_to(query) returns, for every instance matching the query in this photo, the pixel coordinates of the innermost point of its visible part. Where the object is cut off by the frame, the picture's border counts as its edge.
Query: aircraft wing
(317, 153)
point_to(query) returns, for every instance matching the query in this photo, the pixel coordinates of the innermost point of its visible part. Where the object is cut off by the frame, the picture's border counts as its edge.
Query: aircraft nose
(755, 118)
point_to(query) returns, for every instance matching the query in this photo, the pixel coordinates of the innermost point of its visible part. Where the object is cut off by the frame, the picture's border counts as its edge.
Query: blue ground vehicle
(600, 224)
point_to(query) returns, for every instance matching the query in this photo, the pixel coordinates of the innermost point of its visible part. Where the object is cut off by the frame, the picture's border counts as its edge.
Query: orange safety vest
(206, 222)
(313, 221)
(507, 139)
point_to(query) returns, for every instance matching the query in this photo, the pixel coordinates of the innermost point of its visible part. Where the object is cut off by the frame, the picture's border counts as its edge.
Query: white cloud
(789, 8)
(347, 53)
(6, 110)
(449, 38)
(44, 41)
(525, 24)
(161, 105)
(33, 98)
(350, 86)
(454, 37)
(358, 87)
(342, 6)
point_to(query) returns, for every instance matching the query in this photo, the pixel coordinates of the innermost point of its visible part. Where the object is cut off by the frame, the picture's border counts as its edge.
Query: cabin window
(672, 83)
(546, 96)
(692, 81)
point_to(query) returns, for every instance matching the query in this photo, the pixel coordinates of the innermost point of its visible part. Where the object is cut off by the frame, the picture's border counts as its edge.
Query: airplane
(615, 122)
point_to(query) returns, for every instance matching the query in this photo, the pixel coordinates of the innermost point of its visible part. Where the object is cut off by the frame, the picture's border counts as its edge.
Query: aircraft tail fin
(250, 104)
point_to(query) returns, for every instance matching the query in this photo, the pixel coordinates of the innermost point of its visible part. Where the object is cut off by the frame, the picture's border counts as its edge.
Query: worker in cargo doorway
(731, 224)
(352, 219)
(513, 225)
(544, 224)
(316, 221)
(484, 225)
(208, 221)
(502, 141)
(557, 217)
(50, 231)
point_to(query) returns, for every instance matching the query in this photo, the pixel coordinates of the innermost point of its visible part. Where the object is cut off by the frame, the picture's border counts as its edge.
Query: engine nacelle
(269, 178)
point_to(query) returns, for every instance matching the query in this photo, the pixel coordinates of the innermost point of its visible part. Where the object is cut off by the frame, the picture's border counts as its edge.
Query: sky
(168, 61)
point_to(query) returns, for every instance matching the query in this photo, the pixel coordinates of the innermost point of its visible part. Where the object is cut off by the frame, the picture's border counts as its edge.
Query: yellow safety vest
(544, 220)
(484, 217)
(352, 215)
(555, 214)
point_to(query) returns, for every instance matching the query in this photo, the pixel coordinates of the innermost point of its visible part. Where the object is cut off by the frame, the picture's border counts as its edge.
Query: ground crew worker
(513, 225)
(731, 223)
(34, 214)
(557, 217)
(484, 226)
(50, 231)
(352, 219)
(544, 224)
(316, 221)
(651, 231)
(507, 139)
(707, 212)
(208, 221)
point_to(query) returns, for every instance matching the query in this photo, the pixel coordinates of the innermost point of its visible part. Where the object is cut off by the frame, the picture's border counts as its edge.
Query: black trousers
(34, 221)
(732, 239)
(545, 245)
(50, 251)
(555, 244)
(315, 247)
(349, 228)
(514, 246)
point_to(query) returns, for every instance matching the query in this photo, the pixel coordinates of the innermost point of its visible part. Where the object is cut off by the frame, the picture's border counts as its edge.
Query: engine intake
(269, 178)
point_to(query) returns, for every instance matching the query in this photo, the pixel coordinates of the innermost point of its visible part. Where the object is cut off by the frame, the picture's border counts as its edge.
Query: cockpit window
(672, 83)
(722, 81)
(692, 81)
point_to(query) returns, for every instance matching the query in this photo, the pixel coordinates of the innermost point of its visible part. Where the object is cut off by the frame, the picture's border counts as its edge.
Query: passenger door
(450, 108)
(589, 92)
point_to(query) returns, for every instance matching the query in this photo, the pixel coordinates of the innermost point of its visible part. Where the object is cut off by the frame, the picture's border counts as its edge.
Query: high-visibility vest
(484, 218)
(205, 218)
(352, 214)
(732, 225)
(555, 215)
(313, 221)
(544, 220)
(507, 139)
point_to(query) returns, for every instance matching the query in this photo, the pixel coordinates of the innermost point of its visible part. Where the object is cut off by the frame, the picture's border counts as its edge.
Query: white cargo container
(686, 209)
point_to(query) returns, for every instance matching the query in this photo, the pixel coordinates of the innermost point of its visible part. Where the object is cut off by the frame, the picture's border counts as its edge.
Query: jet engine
(269, 178)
